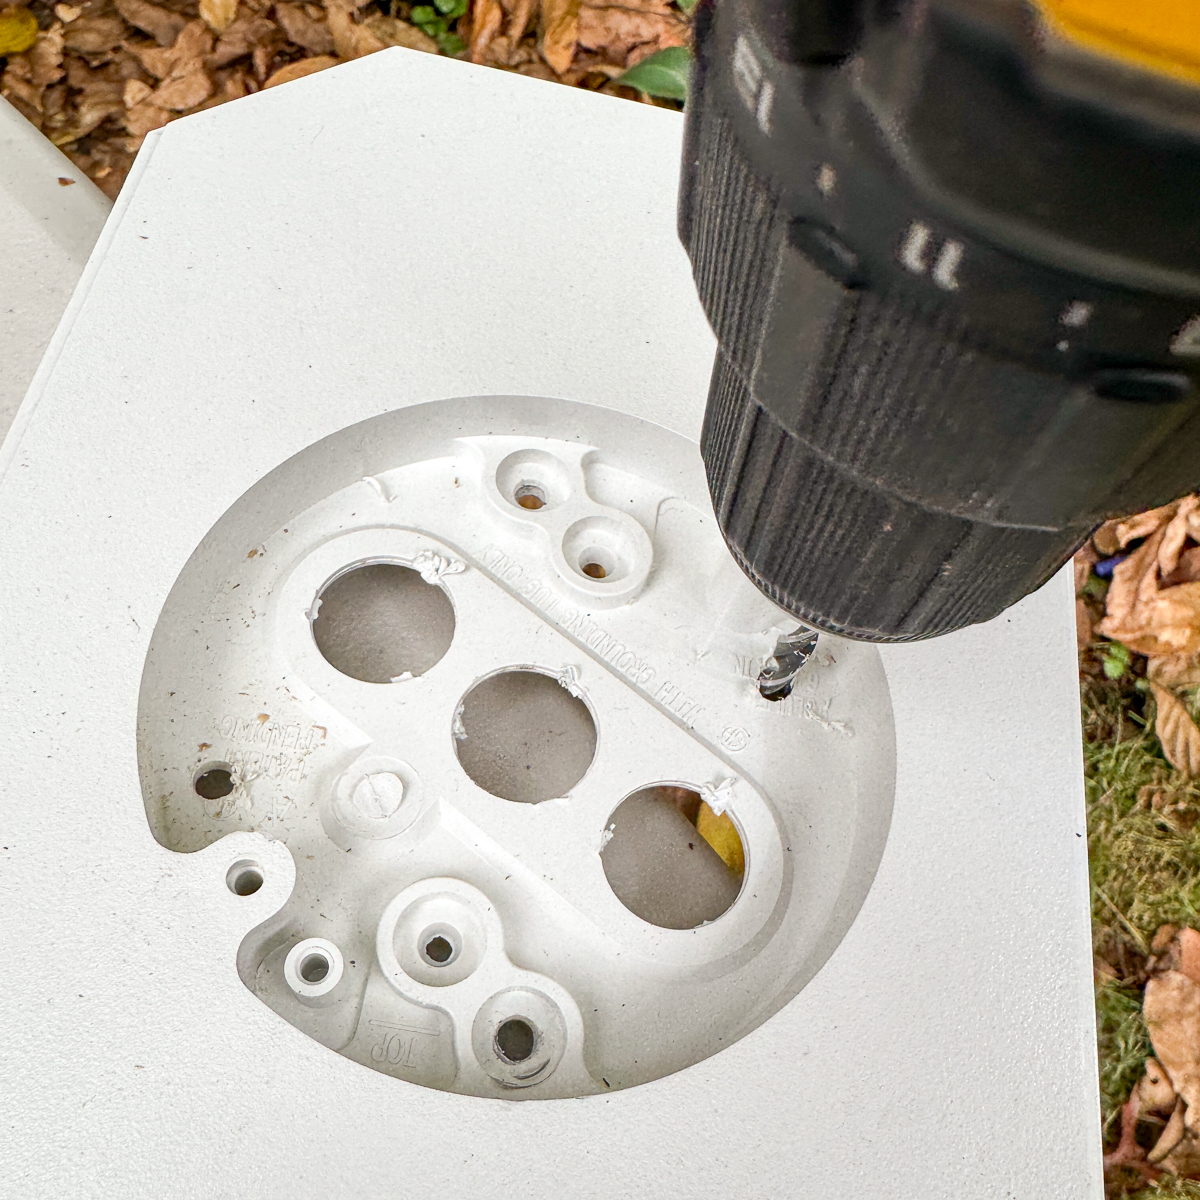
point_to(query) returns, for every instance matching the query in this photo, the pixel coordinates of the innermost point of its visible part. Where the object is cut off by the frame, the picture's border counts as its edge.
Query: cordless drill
(951, 253)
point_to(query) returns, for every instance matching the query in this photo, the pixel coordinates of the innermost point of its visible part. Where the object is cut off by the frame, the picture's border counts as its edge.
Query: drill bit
(791, 652)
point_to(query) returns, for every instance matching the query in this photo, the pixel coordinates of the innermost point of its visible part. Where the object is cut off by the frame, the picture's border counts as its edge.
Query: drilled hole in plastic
(670, 859)
(215, 782)
(381, 622)
(314, 968)
(438, 950)
(522, 736)
(515, 1040)
(530, 496)
(244, 878)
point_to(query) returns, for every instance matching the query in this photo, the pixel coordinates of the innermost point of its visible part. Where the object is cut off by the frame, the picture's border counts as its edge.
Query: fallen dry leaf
(187, 88)
(1144, 523)
(192, 44)
(1175, 534)
(245, 35)
(350, 39)
(1171, 1006)
(135, 92)
(1177, 732)
(520, 13)
(297, 70)
(1171, 1136)
(1174, 670)
(143, 116)
(1084, 624)
(161, 24)
(1164, 935)
(485, 24)
(1155, 1090)
(391, 31)
(1189, 954)
(619, 32)
(560, 32)
(302, 29)
(217, 14)
(94, 35)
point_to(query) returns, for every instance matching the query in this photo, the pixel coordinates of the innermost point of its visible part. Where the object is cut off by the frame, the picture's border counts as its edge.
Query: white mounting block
(375, 310)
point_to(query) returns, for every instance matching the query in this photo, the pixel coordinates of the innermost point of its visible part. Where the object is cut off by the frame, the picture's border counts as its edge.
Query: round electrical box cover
(487, 669)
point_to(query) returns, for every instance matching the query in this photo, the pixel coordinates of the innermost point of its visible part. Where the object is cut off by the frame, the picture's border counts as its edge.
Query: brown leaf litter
(1166, 1101)
(98, 76)
(1152, 607)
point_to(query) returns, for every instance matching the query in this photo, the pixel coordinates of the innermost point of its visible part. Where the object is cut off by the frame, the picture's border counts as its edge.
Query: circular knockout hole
(515, 1040)
(438, 950)
(314, 968)
(530, 496)
(214, 782)
(244, 879)
(670, 859)
(524, 737)
(379, 622)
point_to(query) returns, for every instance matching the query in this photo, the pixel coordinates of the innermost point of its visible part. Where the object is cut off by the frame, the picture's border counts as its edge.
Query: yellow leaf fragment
(297, 70)
(485, 24)
(560, 32)
(721, 834)
(217, 14)
(18, 30)
(1177, 732)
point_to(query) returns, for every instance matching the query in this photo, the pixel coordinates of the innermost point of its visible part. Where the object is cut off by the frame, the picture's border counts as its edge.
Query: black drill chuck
(953, 267)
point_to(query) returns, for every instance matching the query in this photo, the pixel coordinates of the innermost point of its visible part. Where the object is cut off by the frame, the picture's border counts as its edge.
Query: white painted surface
(47, 231)
(395, 230)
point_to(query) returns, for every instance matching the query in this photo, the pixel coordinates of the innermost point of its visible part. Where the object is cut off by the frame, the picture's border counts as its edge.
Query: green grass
(1124, 1048)
(1145, 869)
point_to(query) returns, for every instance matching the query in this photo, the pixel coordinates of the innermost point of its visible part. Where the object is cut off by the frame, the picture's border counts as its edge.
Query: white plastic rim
(396, 845)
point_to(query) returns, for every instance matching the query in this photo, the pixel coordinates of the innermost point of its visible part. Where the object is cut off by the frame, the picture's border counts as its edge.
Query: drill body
(951, 254)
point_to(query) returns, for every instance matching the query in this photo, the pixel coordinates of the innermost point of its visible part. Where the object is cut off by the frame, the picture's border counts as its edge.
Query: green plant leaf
(1116, 659)
(452, 9)
(423, 14)
(663, 74)
(686, 5)
(450, 43)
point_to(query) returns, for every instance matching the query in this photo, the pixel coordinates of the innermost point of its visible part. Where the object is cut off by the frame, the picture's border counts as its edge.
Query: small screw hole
(593, 570)
(245, 879)
(438, 949)
(515, 1040)
(214, 783)
(530, 496)
(314, 968)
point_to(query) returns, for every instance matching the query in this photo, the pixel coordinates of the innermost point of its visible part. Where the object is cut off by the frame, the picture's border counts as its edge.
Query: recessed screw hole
(438, 949)
(515, 1040)
(214, 783)
(244, 879)
(530, 496)
(314, 968)
(593, 570)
